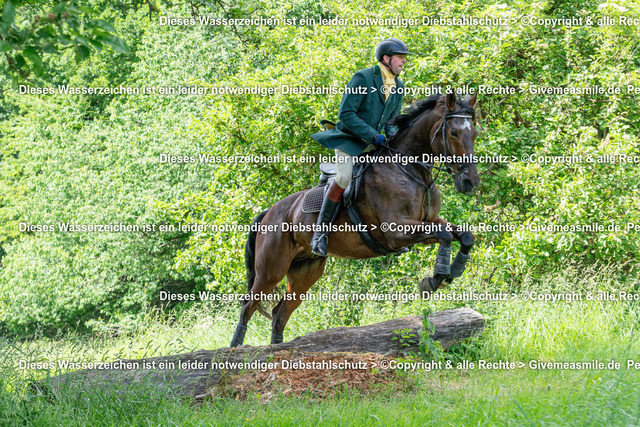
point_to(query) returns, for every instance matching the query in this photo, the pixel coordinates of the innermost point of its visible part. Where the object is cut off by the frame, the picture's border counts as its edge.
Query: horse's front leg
(411, 231)
(459, 263)
(443, 274)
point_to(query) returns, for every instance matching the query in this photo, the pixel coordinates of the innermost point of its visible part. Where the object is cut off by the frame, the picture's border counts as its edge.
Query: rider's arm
(351, 103)
(389, 130)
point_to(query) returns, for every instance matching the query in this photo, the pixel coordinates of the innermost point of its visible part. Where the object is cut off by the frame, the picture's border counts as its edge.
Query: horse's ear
(472, 101)
(451, 101)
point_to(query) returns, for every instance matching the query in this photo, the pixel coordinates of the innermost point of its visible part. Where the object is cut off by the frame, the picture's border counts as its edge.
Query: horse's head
(442, 126)
(452, 137)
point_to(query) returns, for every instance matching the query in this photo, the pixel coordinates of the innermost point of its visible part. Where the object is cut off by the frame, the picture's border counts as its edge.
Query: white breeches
(344, 168)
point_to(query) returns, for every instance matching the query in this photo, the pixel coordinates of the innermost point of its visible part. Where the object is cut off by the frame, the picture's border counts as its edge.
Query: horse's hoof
(427, 287)
(276, 339)
(446, 282)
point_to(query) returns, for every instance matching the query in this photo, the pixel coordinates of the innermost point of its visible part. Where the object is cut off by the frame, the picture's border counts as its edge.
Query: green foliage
(428, 348)
(98, 163)
(538, 331)
(404, 337)
(66, 26)
(520, 124)
(95, 159)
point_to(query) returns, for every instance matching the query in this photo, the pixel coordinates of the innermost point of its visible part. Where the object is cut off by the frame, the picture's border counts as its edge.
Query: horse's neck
(416, 140)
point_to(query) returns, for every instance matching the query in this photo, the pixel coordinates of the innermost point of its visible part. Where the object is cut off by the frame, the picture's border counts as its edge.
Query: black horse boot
(328, 212)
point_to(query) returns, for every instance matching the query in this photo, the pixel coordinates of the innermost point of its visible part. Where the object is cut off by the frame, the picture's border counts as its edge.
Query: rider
(373, 96)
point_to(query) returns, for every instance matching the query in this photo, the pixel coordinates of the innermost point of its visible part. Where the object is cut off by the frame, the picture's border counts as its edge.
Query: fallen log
(192, 374)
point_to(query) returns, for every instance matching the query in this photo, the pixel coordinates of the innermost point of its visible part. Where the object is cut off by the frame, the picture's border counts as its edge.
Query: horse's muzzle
(467, 181)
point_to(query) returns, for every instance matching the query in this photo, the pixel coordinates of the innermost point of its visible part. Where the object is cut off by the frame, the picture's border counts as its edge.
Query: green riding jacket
(363, 113)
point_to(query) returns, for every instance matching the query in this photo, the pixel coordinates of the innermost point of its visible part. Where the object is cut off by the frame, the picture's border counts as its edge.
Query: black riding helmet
(390, 47)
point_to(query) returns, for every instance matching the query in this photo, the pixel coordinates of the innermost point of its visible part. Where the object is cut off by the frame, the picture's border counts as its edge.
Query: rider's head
(392, 53)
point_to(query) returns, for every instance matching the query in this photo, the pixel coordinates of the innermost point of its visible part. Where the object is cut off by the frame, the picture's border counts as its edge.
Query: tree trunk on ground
(190, 374)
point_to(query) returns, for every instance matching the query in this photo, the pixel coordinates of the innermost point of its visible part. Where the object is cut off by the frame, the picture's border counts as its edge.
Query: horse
(404, 193)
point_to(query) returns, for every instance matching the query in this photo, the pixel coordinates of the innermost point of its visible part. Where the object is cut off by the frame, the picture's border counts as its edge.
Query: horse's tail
(250, 258)
(250, 251)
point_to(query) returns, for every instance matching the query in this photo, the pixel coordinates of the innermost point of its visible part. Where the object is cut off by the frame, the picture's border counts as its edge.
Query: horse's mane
(404, 121)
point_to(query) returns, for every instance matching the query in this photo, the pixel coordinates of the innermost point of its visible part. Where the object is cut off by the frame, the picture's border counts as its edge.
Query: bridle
(447, 145)
(447, 149)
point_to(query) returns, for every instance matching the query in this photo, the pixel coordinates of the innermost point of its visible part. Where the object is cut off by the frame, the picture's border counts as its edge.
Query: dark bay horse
(390, 193)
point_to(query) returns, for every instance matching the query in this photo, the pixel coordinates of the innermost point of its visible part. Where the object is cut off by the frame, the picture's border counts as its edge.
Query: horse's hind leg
(266, 278)
(300, 277)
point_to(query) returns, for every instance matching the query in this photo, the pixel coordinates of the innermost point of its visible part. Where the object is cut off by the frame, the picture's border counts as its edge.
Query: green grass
(455, 398)
(517, 330)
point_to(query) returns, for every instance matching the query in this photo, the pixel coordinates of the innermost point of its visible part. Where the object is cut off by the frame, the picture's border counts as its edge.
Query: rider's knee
(343, 181)
(344, 169)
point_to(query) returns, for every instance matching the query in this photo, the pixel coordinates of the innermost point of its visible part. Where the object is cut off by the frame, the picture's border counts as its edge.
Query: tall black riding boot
(328, 212)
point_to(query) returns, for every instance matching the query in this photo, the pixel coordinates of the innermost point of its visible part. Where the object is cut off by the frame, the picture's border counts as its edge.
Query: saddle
(312, 201)
(313, 198)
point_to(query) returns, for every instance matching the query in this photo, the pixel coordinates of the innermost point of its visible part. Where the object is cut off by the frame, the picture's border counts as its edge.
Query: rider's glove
(380, 139)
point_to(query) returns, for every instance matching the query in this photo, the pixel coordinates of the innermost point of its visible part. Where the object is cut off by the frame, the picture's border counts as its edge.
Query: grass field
(517, 330)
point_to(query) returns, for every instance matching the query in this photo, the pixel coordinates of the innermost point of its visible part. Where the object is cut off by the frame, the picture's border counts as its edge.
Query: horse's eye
(454, 133)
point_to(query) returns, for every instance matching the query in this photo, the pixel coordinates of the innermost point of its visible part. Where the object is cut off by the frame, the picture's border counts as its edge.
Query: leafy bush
(93, 159)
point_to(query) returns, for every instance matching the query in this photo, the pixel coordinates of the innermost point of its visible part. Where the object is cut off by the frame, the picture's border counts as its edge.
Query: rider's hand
(380, 139)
